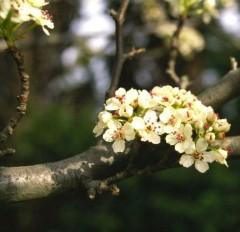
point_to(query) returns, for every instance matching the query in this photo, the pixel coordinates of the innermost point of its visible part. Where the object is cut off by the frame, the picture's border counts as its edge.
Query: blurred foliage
(61, 116)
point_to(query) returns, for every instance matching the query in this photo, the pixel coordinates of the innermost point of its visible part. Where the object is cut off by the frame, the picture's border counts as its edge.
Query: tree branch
(90, 171)
(225, 90)
(119, 18)
(171, 70)
(23, 97)
(98, 169)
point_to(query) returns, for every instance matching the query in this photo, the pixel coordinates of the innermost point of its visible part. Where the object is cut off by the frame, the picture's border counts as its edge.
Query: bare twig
(7, 152)
(95, 187)
(171, 71)
(119, 18)
(23, 97)
(160, 166)
(134, 52)
(120, 57)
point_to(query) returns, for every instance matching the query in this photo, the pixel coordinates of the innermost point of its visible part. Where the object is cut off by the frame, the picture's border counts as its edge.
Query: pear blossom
(131, 97)
(173, 114)
(170, 119)
(145, 100)
(105, 116)
(123, 102)
(163, 95)
(221, 125)
(125, 111)
(182, 139)
(153, 129)
(117, 133)
(220, 156)
(26, 10)
(148, 127)
(112, 104)
(200, 157)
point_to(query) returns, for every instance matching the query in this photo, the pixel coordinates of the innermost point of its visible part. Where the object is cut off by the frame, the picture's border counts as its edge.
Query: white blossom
(173, 114)
(117, 133)
(182, 139)
(199, 157)
(145, 100)
(148, 127)
(170, 119)
(27, 10)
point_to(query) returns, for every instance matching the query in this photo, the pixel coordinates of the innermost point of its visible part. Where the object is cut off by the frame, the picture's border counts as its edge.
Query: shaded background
(70, 71)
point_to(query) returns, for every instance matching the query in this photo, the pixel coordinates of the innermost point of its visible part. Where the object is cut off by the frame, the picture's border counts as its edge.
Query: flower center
(119, 134)
(197, 156)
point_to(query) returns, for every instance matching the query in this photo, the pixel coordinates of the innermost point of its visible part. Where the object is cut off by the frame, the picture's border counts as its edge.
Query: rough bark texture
(96, 169)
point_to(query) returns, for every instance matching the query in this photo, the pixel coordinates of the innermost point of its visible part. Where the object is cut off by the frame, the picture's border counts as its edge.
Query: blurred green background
(70, 72)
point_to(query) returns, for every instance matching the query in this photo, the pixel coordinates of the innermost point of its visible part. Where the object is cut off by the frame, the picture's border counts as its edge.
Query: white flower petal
(138, 123)
(118, 146)
(114, 124)
(154, 138)
(201, 166)
(209, 156)
(129, 132)
(171, 139)
(179, 147)
(201, 145)
(109, 135)
(188, 130)
(125, 111)
(186, 160)
(98, 129)
(131, 96)
(189, 146)
(120, 92)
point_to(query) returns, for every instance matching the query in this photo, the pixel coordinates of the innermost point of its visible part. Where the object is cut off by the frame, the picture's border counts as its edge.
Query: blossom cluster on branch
(208, 9)
(15, 12)
(169, 113)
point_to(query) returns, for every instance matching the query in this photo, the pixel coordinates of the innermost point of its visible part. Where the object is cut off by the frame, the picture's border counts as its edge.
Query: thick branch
(95, 170)
(225, 90)
(89, 170)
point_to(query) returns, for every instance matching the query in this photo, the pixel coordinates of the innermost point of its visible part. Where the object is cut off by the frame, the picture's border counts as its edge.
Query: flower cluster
(208, 9)
(190, 40)
(173, 114)
(21, 11)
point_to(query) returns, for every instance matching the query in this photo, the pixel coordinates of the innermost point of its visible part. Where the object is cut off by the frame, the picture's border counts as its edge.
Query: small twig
(234, 63)
(23, 97)
(119, 18)
(7, 152)
(171, 71)
(95, 187)
(134, 52)
(137, 172)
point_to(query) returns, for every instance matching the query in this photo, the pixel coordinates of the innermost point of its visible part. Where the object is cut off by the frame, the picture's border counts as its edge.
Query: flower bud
(198, 124)
(221, 125)
(221, 135)
(210, 137)
(105, 116)
(212, 117)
